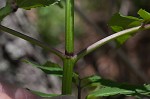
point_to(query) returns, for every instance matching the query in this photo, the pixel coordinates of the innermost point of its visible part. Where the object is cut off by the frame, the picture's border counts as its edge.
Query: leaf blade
(120, 22)
(144, 14)
(108, 91)
(43, 95)
(110, 88)
(5, 11)
(48, 68)
(51, 68)
(26, 4)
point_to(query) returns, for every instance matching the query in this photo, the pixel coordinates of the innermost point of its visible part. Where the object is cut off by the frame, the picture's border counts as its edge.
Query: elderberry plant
(123, 26)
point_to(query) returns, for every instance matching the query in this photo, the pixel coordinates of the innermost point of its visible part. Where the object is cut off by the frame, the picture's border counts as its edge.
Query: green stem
(67, 76)
(108, 39)
(69, 49)
(32, 40)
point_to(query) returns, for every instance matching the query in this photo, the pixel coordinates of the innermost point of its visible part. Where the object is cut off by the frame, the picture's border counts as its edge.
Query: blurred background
(128, 63)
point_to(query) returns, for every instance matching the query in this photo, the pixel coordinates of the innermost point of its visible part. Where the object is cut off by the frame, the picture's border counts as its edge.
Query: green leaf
(108, 91)
(97, 79)
(117, 28)
(113, 88)
(85, 82)
(43, 95)
(53, 69)
(5, 11)
(28, 4)
(51, 64)
(123, 38)
(144, 14)
(49, 68)
(109, 88)
(60, 4)
(119, 22)
(124, 89)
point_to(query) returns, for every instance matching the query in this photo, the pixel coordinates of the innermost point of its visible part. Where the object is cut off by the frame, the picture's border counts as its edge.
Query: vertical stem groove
(68, 62)
(69, 47)
(67, 76)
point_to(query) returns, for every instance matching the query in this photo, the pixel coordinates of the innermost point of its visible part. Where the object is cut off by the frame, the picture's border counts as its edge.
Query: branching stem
(32, 40)
(99, 43)
(69, 49)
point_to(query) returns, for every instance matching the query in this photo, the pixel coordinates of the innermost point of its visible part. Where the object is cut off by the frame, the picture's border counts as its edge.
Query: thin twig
(32, 40)
(107, 39)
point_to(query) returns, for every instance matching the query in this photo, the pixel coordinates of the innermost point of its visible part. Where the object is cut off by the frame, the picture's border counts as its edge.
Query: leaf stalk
(32, 40)
(105, 40)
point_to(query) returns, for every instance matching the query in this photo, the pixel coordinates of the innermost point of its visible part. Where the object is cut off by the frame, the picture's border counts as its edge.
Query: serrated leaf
(144, 14)
(119, 22)
(43, 95)
(97, 79)
(51, 96)
(85, 82)
(123, 22)
(51, 64)
(5, 11)
(108, 91)
(109, 88)
(53, 69)
(28, 4)
(49, 68)
(113, 88)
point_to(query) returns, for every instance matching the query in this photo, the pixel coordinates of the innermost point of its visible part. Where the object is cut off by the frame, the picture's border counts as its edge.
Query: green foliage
(88, 81)
(108, 91)
(110, 88)
(26, 4)
(43, 95)
(144, 14)
(49, 68)
(119, 22)
(5, 11)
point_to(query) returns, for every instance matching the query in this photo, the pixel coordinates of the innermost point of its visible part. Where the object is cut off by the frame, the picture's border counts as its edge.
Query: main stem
(67, 77)
(69, 27)
(68, 62)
